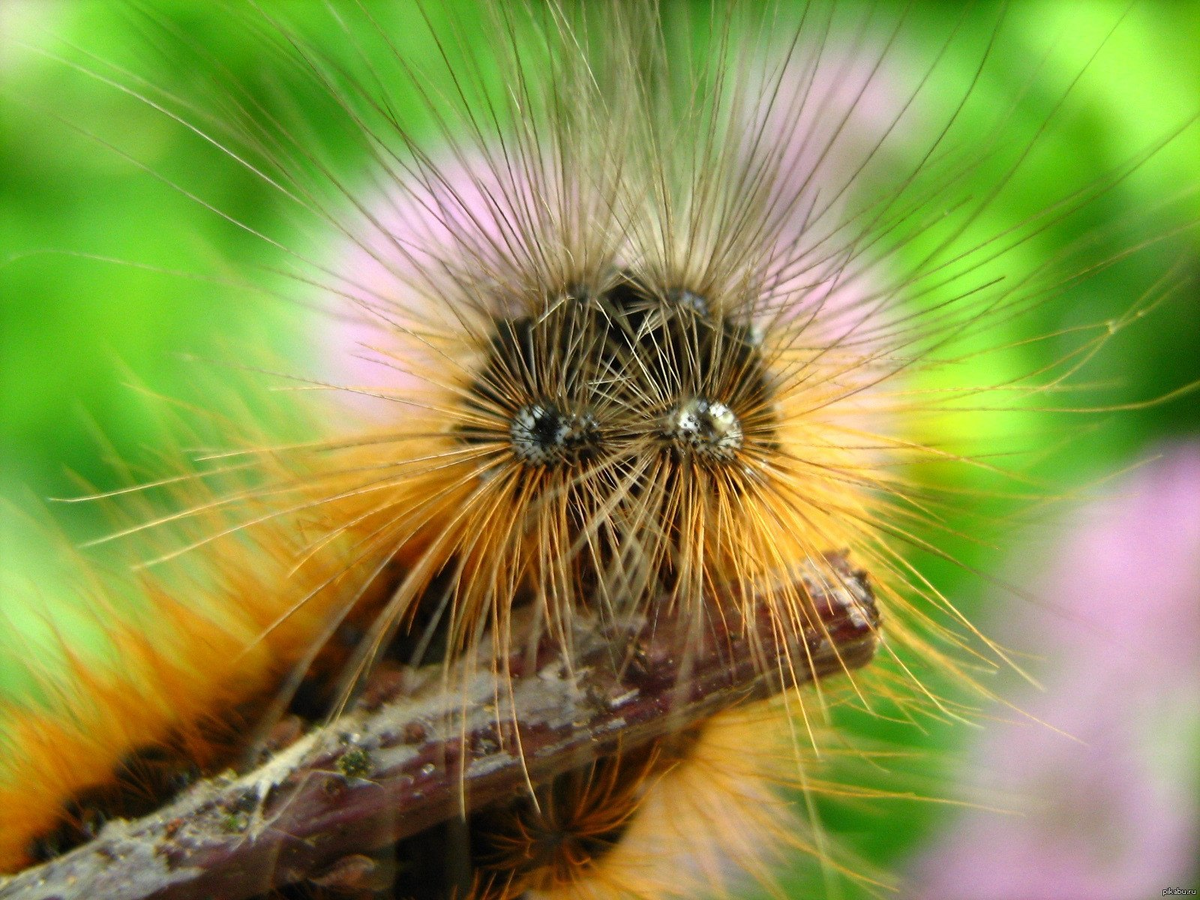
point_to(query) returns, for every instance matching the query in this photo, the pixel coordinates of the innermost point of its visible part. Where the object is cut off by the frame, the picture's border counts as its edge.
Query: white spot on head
(704, 428)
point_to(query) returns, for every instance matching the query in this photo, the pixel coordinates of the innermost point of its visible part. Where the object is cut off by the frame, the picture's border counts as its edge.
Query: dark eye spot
(543, 435)
(685, 299)
(706, 429)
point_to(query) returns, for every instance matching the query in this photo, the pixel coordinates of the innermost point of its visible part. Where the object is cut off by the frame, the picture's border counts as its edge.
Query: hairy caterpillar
(644, 286)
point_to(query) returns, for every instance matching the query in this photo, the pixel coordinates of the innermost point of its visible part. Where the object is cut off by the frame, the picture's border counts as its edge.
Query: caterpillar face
(605, 399)
(626, 447)
(624, 372)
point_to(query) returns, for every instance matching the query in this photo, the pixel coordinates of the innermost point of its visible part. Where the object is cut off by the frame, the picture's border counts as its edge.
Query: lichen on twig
(412, 754)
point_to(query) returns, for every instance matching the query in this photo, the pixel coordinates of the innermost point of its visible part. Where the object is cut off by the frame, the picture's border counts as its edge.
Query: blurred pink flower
(1114, 814)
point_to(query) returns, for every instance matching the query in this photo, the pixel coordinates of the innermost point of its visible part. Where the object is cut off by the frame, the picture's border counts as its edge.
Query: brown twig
(412, 754)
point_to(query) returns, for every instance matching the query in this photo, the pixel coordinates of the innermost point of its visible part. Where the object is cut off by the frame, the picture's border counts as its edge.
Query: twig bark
(413, 754)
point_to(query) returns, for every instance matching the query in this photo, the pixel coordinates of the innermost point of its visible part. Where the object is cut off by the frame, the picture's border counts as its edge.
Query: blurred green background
(86, 172)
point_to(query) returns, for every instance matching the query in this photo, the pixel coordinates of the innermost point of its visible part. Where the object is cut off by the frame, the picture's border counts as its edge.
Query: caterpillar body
(641, 334)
